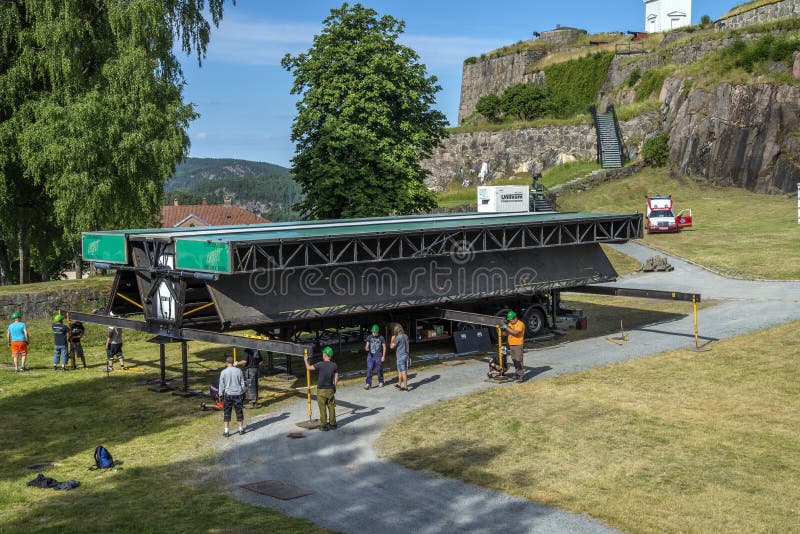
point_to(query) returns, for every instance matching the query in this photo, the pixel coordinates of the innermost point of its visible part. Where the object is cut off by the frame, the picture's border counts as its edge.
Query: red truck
(661, 218)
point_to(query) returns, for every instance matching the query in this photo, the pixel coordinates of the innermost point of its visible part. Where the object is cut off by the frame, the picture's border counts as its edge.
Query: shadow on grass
(145, 498)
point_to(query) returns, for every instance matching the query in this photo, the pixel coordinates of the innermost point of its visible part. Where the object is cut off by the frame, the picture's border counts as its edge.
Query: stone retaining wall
(778, 10)
(477, 157)
(48, 303)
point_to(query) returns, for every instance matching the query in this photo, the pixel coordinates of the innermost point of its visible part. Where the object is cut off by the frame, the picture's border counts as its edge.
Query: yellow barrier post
(697, 347)
(500, 346)
(310, 423)
(308, 383)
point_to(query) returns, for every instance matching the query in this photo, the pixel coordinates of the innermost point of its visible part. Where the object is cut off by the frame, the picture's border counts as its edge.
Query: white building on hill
(665, 15)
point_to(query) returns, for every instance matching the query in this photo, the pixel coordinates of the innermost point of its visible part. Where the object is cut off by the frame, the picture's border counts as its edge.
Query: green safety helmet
(376, 328)
(511, 315)
(16, 315)
(57, 318)
(328, 351)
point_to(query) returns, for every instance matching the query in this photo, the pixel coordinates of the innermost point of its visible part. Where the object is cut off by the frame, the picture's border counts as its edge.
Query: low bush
(651, 83)
(634, 77)
(655, 151)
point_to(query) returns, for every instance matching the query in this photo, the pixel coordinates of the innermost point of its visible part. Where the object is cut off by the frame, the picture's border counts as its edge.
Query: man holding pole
(327, 379)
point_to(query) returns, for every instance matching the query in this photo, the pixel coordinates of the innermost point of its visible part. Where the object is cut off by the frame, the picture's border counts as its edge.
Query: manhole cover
(295, 435)
(43, 465)
(278, 490)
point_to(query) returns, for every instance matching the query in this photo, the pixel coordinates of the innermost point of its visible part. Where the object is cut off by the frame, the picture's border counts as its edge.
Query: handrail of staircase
(622, 151)
(593, 112)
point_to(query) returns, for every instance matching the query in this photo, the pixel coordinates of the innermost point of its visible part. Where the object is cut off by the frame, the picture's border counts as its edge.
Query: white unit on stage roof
(665, 15)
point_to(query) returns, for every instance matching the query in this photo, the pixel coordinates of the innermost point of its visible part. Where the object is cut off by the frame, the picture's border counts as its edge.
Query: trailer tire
(535, 321)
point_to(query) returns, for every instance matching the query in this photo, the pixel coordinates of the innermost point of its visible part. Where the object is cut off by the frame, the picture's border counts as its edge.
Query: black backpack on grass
(103, 458)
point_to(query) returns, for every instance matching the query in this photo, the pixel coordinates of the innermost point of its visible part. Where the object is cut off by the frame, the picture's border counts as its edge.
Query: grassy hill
(735, 231)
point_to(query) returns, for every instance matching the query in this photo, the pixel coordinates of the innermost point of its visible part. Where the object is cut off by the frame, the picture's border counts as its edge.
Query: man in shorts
(114, 346)
(17, 337)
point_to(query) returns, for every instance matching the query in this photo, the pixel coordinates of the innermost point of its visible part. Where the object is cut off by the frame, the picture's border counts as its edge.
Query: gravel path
(355, 491)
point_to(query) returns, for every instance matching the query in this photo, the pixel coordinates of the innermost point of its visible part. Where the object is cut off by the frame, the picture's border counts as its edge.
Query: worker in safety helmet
(376, 354)
(515, 331)
(326, 388)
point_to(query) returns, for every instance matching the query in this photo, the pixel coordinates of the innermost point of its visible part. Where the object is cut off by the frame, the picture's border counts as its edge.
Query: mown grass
(469, 127)
(58, 285)
(678, 442)
(735, 231)
(456, 195)
(167, 446)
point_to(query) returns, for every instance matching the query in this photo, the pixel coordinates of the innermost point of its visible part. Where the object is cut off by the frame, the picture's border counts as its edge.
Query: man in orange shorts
(17, 337)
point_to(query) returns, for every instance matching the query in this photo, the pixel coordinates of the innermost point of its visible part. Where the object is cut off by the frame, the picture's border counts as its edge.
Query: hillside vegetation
(735, 231)
(266, 189)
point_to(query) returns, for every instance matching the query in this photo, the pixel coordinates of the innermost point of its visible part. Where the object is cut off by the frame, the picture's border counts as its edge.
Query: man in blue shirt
(17, 337)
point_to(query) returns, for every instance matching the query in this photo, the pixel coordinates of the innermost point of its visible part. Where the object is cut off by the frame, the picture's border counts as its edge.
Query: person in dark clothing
(376, 353)
(60, 336)
(76, 332)
(327, 379)
(251, 363)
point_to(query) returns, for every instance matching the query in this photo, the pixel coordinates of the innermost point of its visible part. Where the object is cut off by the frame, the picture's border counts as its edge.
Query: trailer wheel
(535, 321)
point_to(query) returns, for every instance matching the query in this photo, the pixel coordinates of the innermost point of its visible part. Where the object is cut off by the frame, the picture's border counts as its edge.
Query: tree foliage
(655, 151)
(92, 119)
(490, 107)
(526, 101)
(364, 120)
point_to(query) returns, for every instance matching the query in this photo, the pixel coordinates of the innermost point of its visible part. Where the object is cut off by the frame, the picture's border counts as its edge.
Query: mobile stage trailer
(281, 279)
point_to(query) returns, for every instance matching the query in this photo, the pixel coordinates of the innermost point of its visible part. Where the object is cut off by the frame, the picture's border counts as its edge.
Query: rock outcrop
(738, 135)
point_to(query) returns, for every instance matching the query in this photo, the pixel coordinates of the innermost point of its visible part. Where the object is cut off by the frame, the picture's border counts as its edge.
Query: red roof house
(178, 216)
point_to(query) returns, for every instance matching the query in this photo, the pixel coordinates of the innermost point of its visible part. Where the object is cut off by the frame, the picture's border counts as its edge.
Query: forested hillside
(264, 188)
(195, 171)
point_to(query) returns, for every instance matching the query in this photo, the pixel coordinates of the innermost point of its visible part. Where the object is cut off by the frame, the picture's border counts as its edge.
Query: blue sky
(242, 93)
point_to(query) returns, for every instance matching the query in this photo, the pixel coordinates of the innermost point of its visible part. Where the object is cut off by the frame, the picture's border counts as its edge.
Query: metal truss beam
(640, 293)
(251, 257)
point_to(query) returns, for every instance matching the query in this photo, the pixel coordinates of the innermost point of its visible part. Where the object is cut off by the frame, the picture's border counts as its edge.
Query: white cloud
(254, 42)
(201, 135)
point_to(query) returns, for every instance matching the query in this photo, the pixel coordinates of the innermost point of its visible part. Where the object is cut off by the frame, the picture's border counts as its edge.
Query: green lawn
(735, 231)
(167, 446)
(677, 442)
(58, 285)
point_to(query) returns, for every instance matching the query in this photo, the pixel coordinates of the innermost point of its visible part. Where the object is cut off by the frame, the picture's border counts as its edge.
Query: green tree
(526, 101)
(92, 119)
(364, 120)
(489, 107)
(704, 20)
